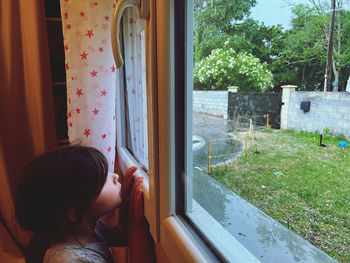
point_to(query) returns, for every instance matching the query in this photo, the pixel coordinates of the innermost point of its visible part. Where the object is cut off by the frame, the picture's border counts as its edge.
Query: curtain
(91, 74)
(26, 103)
(135, 71)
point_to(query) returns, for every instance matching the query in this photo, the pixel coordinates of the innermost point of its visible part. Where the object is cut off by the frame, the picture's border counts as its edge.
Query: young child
(61, 196)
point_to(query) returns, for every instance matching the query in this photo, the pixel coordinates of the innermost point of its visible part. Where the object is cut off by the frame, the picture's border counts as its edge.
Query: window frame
(179, 238)
(168, 67)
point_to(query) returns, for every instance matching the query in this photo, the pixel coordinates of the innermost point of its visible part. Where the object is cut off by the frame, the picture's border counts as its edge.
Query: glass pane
(269, 147)
(135, 88)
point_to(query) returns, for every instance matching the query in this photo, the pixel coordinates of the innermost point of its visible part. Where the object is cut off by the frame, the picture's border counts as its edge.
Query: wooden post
(246, 146)
(209, 155)
(237, 123)
(267, 121)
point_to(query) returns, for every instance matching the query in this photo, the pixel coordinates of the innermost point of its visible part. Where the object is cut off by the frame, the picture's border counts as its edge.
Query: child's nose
(115, 178)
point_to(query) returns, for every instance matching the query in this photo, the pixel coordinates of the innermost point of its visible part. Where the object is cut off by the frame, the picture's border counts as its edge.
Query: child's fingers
(127, 186)
(130, 171)
(128, 181)
(137, 186)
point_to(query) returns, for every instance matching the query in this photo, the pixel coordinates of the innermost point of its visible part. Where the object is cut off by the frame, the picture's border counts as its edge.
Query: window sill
(231, 222)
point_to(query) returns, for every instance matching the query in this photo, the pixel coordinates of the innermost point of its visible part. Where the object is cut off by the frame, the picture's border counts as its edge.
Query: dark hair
(52, 184)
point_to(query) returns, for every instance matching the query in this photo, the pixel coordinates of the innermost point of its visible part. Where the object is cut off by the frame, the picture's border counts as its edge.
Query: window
(233, 228)
(135, 86)
(189, 212)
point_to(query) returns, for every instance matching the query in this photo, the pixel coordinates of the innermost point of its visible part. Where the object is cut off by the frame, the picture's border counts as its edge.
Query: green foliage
(224, 67)
(294, 56)
(214, 21)
(305, 50)
(301, 185)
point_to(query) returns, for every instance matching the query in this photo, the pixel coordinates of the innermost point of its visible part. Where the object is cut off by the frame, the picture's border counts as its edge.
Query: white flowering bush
(224, 68)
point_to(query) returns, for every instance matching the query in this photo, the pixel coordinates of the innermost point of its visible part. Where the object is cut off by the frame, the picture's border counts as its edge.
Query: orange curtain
(27, 125)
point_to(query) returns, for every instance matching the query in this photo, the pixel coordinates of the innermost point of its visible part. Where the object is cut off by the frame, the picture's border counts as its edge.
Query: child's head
(58, 183)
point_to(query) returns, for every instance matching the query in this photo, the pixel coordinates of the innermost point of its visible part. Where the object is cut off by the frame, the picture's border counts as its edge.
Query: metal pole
(209, 155)
(328, 75)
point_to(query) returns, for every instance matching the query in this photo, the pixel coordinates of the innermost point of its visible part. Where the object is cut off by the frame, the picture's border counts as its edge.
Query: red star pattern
(83, 55)
(93, 73)
(84, 117)
(87, 132)
(103, 92)
(79, 92)
(89, 33)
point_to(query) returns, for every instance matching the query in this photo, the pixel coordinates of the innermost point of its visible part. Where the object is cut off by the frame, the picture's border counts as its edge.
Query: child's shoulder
(75, 253)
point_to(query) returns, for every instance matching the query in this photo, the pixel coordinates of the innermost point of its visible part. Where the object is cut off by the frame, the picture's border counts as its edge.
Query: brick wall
(210, 102)
(328, 110)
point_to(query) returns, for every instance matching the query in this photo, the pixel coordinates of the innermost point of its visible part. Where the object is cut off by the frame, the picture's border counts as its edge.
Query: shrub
(224, 68)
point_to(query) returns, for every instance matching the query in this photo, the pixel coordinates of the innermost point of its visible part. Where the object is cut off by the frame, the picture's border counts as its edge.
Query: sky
(273, 12)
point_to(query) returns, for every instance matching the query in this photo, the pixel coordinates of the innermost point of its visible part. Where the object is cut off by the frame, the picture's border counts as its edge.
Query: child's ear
(72, 215)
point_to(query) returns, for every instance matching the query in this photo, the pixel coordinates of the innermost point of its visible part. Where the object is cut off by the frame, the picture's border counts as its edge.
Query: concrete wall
(210, 102)
(328, 110)
(254, 105)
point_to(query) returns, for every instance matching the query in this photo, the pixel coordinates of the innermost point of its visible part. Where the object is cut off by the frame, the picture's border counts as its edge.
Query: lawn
(300, 184)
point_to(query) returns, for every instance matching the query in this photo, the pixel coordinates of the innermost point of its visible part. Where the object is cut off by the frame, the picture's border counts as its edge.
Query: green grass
(300, 184)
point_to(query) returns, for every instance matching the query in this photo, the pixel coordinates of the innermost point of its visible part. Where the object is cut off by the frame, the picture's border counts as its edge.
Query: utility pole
(328, 75)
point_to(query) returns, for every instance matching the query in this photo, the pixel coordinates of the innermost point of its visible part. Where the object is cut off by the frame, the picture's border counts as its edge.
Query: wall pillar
(286, 93)
(233, 89)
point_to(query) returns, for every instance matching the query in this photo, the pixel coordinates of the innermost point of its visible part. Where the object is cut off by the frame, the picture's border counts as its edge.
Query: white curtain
(91, 74)
(135, 73)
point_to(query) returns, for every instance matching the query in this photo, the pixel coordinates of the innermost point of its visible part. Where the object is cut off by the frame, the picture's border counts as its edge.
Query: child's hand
(128, 182)
(136, 214)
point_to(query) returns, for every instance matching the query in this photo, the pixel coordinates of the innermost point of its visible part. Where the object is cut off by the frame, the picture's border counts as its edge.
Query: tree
(264, 42)
(214, 21)
(311, 25)
(224, 67)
